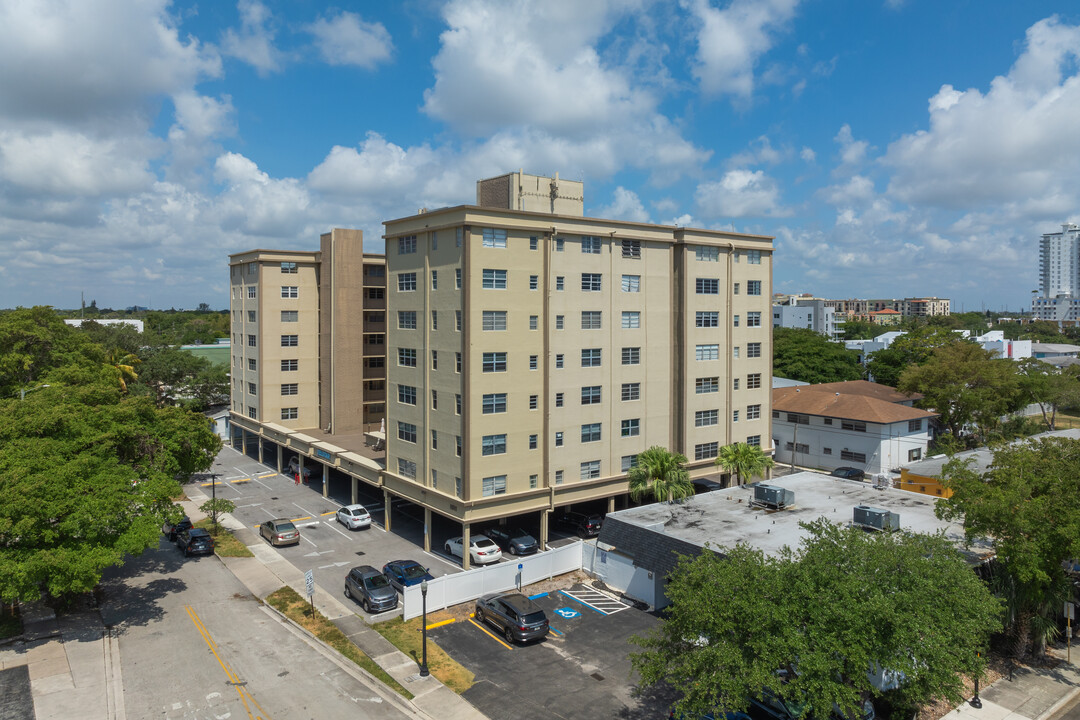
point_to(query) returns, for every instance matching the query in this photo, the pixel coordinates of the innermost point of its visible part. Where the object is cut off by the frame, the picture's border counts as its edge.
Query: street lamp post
(213, 495)
(975, 702)
(22, 392)
(424, 672)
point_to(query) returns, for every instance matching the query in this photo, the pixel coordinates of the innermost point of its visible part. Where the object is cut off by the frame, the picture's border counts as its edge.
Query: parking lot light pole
(424, 672)
(975, 702)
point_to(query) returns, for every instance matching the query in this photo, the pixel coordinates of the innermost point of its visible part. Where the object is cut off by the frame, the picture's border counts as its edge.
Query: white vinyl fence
(461, 587)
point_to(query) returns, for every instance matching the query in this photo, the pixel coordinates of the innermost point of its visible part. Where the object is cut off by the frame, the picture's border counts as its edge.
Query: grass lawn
(296, 607)
(225, 543)
(10, 623)
(407, 638)
(1066, 422)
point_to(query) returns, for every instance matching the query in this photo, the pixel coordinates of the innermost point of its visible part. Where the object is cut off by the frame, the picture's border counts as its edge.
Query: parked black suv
(584, 524)
(171, 531)
(195, 541)
(517, 616)
(513, 540)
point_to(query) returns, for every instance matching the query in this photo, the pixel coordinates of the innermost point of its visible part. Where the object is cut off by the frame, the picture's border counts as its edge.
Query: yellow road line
(306, 517)
(266, 475)
(489, 634)
(332, 512)
(241, 480)
(234, 679)
(432, 626)
(210, 483)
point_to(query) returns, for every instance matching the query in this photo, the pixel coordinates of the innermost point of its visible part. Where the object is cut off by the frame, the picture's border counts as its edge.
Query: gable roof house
(848, 424)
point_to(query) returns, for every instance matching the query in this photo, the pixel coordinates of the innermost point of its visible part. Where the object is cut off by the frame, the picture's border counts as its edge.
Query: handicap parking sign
(568, 613)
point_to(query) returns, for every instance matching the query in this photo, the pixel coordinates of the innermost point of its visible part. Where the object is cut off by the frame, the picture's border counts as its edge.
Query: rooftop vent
(875, 518)
(771, 496)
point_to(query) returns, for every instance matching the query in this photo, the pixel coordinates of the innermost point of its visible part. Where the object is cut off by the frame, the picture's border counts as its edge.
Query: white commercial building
(810, 314)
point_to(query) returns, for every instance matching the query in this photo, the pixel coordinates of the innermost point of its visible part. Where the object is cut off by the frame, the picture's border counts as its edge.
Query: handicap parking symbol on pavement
(567, 613)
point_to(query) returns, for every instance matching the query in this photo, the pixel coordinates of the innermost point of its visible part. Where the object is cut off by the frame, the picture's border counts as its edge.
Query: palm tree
(660, 473)
(744, 461)
(124, 364)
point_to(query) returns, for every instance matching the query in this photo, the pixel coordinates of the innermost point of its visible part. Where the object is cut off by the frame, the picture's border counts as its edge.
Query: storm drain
(597, 676)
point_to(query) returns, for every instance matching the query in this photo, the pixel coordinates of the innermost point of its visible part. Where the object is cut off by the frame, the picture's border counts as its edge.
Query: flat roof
(723, 518)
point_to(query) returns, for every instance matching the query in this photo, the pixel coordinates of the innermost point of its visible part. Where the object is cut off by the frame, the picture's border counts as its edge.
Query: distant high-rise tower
(1059, 276)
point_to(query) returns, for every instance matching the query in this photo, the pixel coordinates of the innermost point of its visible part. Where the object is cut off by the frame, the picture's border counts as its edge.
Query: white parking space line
(333, 526)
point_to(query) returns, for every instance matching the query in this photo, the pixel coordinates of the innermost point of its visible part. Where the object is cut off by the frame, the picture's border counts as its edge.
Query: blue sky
(892, 147)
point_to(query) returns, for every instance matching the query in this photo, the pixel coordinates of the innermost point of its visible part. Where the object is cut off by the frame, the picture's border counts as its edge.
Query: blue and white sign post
(521, 566)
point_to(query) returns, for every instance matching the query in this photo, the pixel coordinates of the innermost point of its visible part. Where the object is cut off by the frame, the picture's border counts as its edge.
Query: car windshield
(521, 535)
(374, 582)
(413, 572)
(285, 527)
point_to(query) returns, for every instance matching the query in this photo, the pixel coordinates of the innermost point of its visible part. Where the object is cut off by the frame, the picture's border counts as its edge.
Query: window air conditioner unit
(771, 496)
(875, 518)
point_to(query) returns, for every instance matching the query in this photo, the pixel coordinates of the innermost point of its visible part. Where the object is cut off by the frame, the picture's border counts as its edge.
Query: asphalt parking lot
(581, 670)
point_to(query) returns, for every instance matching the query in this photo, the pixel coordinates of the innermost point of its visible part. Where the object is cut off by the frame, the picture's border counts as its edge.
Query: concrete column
(544, 514)
(427, 529)
(465, 546)
(611, 504)
(280, 453)
(260, 449)
(355, 490)
(326, 481)
(243, 441)
(386, 509)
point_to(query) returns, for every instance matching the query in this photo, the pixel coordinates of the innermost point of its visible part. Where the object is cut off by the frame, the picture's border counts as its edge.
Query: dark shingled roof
(653, 551)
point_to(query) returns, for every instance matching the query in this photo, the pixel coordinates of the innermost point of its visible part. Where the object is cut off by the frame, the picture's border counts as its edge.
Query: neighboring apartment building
(308, 336)
(857, 309)
(534, 352)
(849, 424)
(1059, 277)
(810, 313)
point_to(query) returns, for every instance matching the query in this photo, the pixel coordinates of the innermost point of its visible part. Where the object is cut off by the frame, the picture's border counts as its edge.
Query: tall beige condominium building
(308, 336)
(534, 352)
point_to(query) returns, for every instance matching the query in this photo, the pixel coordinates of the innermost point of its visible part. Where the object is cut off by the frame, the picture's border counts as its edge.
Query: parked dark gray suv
(513, 540)
(371, 589)
(517, 616)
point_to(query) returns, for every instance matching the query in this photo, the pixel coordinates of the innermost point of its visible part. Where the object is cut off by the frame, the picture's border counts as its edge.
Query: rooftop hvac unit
(772, 496)
(876, 518)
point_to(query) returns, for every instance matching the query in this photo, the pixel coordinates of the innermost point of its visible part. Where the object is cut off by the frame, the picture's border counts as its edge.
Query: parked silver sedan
(280, 531)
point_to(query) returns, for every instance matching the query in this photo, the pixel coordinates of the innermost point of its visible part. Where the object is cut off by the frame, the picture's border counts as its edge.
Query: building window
(494, 403)
(631, 356)
(457, 320)
(457, 404)
(434, 279)
(914, 425)
(631, 320)
(290, 389)
(534, 322)
(853, 425)
(434, 359)
(406, 319)
(558, 400)
(406, 245)
(754, 440)
(375, 270)
(631, 249)
(406, 394)
(251, 315)
(534, 282)
(560, 244)
(705, 418)
(753, 350)
(534, 362)
(251, 292)
(753, 412)
(457, 362)
(753, 381)
(848, 455)
(558, 439)
(590, 395)
(707, 352)
(534, 242)
(735, 288)
(707, 385)
(290, 291)
(290, 413)
(252, 413)
(704, 451)
(493, 320)
(558, 361)
(628, 462)
(375, 294)
(534, 401)
(533, 480)
(591, 282)
(631, 428)
(590, 470)
(631, 283)
(590, 432)
(707, 254)
(590, 245)
(734, 416)
(290, 340)
(494, 362)
(590, 357)
(406, 282)
(493, 445)
(707, 286)
(753, 287)
(251, 364)
(457, 278)
(407, 357)
(406, 468)
(707, 319)
(251, 388)
(735, 383)
(290, 316)
(494, 485)
(494, 238)
(797, 447)
(735, 352)
(251, 340)
(631, 391)
(753, 319)
(434, 320)
(735, 321)
(434, 399)
(494, 279)
(798, 419)
(590, 320)
(560, 283)
(753, 257)
(288, 268)
(559, 322)
(406, 431)
(459, 235)
(434, 442)
(914, 455)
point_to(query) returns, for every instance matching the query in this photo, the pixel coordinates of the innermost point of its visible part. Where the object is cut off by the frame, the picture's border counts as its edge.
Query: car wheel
(479, 615)
(509, 636)
(348, 592)
(513, 550)
(366, 605)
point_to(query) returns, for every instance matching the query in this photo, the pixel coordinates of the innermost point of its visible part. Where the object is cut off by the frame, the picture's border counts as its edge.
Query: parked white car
(354, 517)
(482, 550)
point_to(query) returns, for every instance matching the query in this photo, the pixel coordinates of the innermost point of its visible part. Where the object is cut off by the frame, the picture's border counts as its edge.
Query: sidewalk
(1032, 693)
(268, 571)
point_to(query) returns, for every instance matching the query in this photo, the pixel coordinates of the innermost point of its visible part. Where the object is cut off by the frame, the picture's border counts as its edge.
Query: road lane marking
(489, 634)
(234, 679)
(432, 626)
(269, 474)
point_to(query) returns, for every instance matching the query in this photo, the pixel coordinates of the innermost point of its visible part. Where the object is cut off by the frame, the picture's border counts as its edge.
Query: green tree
(860, 330)
(33, 342)
(1048, 387)
(1026, 503)
(802, 354)
(744, 461)
(965, 385)
(123, 364)
(810, 625)
(661, 474)
(913, 348)
(214, 506)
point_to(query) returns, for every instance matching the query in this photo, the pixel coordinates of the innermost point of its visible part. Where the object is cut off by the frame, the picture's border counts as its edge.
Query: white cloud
(808, 154)
(1014, 145)
(204, 117)
(72, 163)
(731, 41)
(740, 193)
(346, 39)
(625, 205)
(852, 151)
(760, 151)
(379, 168)
(858, 189)
(255, 203)
(253, 43)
